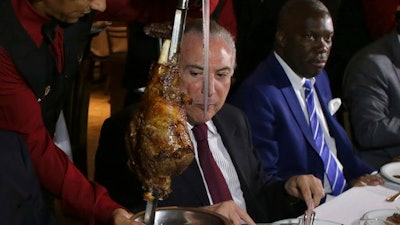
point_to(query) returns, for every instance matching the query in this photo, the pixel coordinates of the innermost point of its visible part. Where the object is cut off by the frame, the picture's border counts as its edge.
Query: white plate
(379, 214)
(390, 169)
(296, 221)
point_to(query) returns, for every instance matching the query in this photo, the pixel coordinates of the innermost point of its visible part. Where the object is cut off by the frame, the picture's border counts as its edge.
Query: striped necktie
(216, 183)
(334, 174)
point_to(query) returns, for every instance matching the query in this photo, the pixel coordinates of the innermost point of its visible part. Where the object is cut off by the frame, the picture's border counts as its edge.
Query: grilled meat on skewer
(158, 140)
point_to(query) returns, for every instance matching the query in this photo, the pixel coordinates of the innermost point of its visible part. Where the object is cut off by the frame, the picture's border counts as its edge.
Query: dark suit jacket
(372, 94)
(265, 199)
(20, 194)
(279, 127)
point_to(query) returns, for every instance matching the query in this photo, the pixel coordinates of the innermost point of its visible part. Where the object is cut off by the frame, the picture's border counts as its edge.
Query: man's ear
(280, 38)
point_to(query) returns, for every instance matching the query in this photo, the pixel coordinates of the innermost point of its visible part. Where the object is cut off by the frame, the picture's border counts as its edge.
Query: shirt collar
(296, 80)
(210, 125)
(30, 19)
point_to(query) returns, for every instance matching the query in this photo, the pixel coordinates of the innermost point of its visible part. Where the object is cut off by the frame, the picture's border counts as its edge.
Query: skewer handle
(178, 29)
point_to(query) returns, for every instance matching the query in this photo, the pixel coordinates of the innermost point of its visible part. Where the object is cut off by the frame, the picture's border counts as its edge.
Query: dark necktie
(216, 183)
(334, 174)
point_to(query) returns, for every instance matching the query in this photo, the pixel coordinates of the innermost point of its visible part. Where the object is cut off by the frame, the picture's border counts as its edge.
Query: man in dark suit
(254, 196)
(20, 194)
(372, 94)
(273, 99)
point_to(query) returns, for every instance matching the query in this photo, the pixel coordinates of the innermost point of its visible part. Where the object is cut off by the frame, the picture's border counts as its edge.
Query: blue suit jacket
(265, 198)
(279, 127)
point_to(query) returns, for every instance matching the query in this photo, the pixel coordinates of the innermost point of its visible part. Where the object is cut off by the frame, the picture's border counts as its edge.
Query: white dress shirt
(224, 163)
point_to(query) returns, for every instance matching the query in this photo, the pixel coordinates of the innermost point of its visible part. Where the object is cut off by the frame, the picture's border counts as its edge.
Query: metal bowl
(184, 216)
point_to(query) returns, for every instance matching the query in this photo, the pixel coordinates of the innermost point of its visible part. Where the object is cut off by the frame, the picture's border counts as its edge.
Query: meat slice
(158, 140)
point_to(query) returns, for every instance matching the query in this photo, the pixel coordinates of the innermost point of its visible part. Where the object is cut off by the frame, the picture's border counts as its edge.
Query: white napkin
(334, 105)
(349, 207)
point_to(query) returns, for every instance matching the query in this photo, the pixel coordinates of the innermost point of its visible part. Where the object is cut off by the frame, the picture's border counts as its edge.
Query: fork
(308, 218)
(393, 198)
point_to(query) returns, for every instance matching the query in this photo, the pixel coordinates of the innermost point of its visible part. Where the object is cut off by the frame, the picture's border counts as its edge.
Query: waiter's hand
(232, 211)
(307, 187)
(367, 179)
(123, 217)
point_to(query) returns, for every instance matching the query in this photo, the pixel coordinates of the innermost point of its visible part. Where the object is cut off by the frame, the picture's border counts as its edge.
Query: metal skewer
(173, 50)
(150, 213)
(206, 49)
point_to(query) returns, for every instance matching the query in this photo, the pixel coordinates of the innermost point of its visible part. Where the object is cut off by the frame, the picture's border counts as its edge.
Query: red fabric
(162, 10)
(227, 18)
(139, 10)
(33, 22)
(216, 182)
(380, 16)
(20, 112)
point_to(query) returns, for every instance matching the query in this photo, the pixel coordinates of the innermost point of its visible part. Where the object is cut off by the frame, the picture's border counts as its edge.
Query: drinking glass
(375, 221)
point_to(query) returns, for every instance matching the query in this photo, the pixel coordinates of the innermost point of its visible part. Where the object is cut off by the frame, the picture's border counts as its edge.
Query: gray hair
(217, 31)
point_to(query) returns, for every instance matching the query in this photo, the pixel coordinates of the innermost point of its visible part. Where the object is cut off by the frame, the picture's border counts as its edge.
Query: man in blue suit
(274, 101)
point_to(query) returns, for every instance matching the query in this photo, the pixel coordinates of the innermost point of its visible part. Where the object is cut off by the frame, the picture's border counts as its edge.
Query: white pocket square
(334, 105)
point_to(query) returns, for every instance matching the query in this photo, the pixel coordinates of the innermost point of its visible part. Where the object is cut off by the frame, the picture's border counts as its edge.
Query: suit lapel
(298, 114)
(333, 125)
(229, 135)
(322, 100)
(291, 99)
(196, 185)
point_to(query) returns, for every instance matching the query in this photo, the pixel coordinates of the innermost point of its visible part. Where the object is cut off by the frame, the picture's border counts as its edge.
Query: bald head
(299, 10)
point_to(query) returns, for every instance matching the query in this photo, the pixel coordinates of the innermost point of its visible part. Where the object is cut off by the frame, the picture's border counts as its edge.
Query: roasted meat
(158, 140)
(395, 218)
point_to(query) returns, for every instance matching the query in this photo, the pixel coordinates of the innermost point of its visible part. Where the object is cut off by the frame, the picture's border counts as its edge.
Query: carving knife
(178, 29)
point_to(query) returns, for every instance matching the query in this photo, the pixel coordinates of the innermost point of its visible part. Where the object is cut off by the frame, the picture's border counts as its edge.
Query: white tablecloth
(348, 207)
